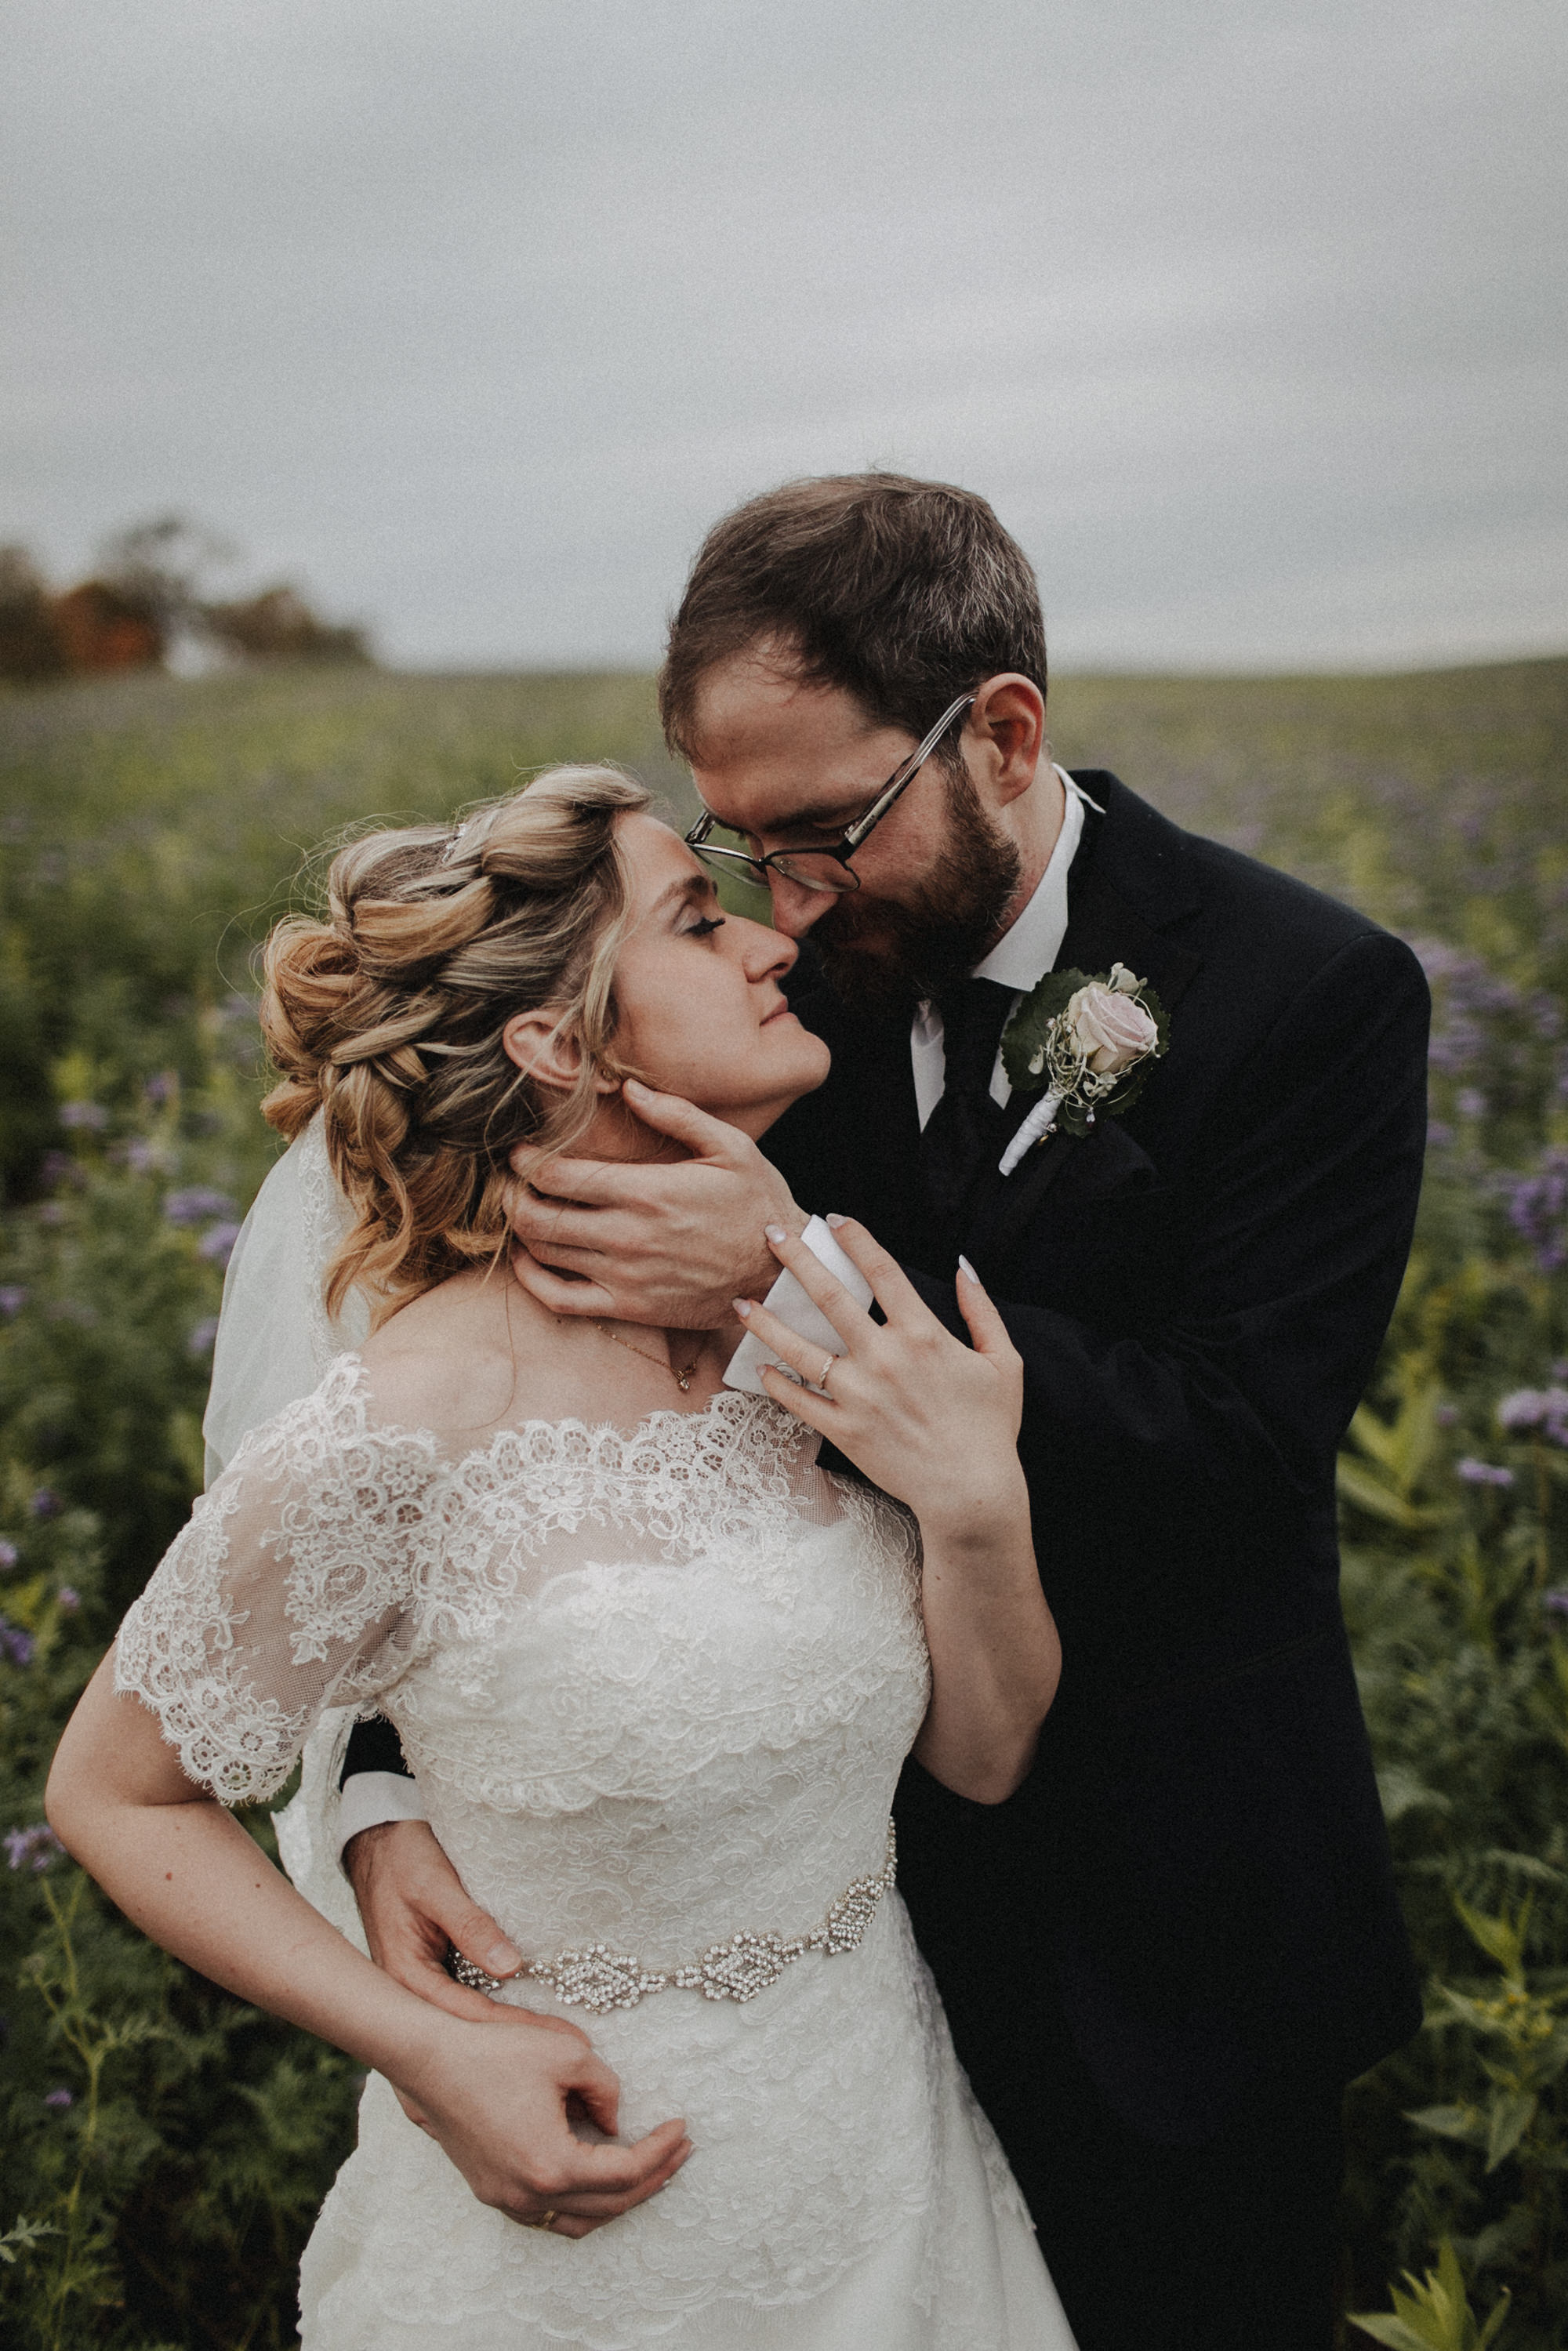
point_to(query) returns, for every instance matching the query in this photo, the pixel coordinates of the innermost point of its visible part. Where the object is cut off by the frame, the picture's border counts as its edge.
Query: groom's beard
(891, 956)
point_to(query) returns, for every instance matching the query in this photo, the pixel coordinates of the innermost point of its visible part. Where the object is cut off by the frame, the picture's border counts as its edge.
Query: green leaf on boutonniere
(1024, 1039)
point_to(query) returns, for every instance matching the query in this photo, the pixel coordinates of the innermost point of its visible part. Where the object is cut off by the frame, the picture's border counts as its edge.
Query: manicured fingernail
(502, 1958)
(742, 1307)
(774, 1234)
(965, 1268)
(836, 1221)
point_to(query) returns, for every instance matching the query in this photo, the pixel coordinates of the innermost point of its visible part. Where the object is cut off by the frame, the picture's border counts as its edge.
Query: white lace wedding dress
(657, 1686)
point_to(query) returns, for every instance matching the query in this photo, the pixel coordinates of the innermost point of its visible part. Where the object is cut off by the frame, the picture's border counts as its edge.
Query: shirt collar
(1028, 949)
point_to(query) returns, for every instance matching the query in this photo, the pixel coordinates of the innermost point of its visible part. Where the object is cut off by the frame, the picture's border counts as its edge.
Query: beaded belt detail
(601, 1979)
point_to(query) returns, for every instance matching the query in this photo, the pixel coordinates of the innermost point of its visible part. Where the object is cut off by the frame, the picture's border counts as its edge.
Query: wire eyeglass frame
(783, 860)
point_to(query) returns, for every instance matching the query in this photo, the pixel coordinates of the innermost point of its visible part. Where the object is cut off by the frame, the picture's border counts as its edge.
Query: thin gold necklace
(681, 1376)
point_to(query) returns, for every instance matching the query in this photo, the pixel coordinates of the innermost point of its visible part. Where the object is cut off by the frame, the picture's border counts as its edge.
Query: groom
(1166, 1954)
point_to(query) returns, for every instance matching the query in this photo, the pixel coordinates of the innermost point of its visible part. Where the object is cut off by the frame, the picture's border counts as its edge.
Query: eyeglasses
(823, 865)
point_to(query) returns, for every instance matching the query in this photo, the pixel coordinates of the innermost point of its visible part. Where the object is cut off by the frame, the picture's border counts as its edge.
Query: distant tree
(278, 625)
(148, 591)
(29, 644)
(158, 568)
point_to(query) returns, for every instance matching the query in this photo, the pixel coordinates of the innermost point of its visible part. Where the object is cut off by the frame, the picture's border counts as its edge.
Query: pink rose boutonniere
(1090, 1043)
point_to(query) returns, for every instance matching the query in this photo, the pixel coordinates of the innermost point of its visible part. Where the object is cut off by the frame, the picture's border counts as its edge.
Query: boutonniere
(1091, 1043)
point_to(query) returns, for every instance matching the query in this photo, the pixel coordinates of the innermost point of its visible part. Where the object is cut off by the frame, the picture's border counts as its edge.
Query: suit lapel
(1104, 927)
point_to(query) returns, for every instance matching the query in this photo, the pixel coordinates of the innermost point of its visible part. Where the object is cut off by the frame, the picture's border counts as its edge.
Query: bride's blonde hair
(387, 1015)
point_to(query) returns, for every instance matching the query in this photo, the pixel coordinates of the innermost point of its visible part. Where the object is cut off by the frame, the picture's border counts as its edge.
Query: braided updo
(388, 1016)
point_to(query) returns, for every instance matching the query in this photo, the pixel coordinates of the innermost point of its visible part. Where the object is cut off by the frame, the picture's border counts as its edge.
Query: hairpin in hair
(450, 852)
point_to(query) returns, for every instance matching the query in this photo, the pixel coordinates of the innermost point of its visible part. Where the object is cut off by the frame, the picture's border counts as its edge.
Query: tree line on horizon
(143, 599)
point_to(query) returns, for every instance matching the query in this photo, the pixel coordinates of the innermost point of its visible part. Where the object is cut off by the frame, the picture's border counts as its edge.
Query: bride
(657, 1672)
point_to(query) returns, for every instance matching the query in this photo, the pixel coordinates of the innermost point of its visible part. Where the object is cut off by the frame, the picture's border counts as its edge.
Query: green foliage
(163, 2147)
(1435, 2314)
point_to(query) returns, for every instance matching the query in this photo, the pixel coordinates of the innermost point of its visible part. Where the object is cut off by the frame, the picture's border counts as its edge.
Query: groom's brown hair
(903, 592)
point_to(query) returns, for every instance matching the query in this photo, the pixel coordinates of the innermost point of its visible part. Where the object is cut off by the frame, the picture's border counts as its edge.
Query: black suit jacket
(1192, 1894)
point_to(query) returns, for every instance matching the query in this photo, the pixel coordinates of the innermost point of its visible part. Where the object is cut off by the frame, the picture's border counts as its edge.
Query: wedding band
(545, 2220)
(827, 1367)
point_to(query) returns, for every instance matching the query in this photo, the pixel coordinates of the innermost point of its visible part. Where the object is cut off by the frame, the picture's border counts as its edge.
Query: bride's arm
(493, 2092)
(936, 1423)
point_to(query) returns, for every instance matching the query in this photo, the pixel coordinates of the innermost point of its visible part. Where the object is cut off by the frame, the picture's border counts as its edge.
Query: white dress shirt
(1026, 951)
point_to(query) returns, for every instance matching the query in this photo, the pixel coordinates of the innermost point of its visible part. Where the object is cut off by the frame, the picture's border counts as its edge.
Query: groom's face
(784, 764)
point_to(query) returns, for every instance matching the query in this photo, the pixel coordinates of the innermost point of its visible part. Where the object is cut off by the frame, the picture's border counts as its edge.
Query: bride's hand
(495, 2096)
(937, 1422)
(927, 1418)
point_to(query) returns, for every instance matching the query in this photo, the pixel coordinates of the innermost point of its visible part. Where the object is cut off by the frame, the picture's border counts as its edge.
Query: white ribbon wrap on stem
(1038, 1123)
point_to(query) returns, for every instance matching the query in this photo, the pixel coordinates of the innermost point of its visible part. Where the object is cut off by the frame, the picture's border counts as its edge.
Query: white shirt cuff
(369, 1798)
(791, 1304)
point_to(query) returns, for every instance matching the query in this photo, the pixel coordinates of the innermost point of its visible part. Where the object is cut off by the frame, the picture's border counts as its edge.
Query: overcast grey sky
(471, 314)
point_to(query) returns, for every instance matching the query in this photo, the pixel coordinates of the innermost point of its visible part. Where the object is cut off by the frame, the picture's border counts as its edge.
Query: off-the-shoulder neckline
(593, 1431)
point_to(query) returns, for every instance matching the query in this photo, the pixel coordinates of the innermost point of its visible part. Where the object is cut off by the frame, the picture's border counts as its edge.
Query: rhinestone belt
(601, 1979)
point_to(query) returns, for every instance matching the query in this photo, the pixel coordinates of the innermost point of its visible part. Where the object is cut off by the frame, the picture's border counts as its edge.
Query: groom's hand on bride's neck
(662, 1242)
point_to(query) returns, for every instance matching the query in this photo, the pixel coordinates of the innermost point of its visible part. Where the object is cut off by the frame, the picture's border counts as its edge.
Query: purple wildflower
(58, 2099)
(139, 1156)
(43, 1504)
(58, 1167)
(158, 1088)
(202, 1336)
(1439, 1133)
(67, 1599)
(1538, 1208)
(33, 1848)
(8, 1553)
(197, 1204)
(217, 1243)
(1482, 1473)
(13, 1298)
(1471, 1102)
(91, 1116)
(15, 1642)
(1470, 997)
(1445, 1415)
(1556, 1600)
(1542, 1408)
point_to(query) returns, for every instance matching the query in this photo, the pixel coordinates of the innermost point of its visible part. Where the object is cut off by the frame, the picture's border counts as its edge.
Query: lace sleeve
(291, 1589)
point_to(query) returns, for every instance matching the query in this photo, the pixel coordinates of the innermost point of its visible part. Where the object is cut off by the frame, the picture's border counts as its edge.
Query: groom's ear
(546, 1048)
(1004, 735)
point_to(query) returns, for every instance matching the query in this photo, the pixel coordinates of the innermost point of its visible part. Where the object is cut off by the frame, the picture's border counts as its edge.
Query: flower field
(161, 2148)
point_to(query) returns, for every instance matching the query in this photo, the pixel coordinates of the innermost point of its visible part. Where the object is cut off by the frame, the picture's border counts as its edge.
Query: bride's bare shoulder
(453, 1359)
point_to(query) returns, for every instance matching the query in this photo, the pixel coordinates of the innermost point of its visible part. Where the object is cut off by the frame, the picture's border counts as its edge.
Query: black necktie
(965, 1122)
